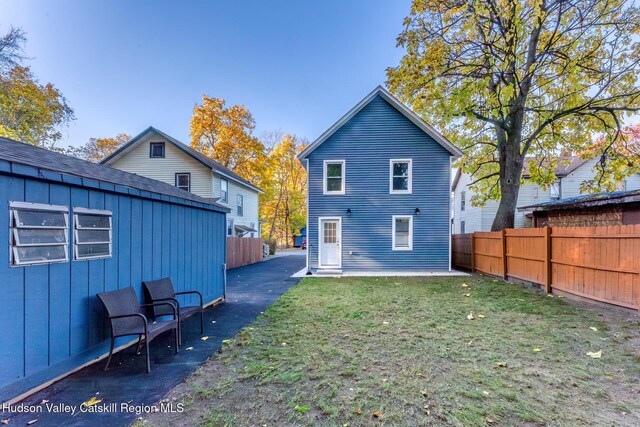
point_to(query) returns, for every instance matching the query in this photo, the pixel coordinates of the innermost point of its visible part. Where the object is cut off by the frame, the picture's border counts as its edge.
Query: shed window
(334, 176)
(38, 233)
(92, 233)
(400, 176)
(183, 181)
(402, 233)
(156, 150)
(240, 205)
(224, 190)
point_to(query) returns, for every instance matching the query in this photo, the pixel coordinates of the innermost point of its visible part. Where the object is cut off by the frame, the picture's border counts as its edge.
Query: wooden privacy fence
(243, 251)
(600, 263)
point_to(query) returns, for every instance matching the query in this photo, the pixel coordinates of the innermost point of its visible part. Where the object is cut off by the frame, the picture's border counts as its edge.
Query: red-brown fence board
(461, 251)
(488, 252)
(243, 251)
(600, 263)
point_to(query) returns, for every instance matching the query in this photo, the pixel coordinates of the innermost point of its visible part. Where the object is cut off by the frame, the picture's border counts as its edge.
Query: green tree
(29, 111)
(512, 79)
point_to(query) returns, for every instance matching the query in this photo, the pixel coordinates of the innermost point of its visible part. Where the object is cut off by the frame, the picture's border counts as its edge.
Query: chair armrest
(173, 300)
(122, 316)
(173, 307)
(191, 292)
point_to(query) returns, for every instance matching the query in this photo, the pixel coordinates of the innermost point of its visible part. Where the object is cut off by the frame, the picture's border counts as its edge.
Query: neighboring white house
(157, 155)
(570, 172)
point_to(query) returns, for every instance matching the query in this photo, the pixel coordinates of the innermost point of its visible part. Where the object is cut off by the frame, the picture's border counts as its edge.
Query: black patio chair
(162, 290)
(127, 317)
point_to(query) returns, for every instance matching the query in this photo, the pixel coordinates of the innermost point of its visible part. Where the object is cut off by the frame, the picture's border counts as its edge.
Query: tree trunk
(511, 162)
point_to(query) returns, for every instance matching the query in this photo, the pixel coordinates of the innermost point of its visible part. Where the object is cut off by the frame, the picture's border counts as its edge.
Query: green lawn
(402, 351)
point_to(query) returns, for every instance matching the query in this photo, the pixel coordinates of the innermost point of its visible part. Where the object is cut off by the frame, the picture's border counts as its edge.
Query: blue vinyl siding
(367, 142)
(51, 320)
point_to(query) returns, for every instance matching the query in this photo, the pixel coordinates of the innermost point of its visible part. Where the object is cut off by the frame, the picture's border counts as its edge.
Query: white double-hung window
(333, 177)
(402, 233)
(400, 178)
(38, 233)
(92, 233)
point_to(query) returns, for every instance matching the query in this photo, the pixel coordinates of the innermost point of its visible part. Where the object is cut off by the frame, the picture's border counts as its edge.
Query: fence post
(473, 253)
(503, 235)
(547, 259)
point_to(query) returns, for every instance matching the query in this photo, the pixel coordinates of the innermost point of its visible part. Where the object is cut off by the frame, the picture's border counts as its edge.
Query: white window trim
(324, 177)
(76, 243)
(13, 256)
(410, 183)
(393, 232)
(226, 198)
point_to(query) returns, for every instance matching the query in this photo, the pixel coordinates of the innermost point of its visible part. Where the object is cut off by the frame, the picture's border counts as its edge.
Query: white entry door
(330, 236)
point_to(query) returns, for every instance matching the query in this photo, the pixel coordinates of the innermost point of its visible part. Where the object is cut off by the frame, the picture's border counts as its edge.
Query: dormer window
(156, 150)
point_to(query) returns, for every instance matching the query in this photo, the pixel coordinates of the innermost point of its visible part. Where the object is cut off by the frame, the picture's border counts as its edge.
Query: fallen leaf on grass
(595, 354)
(376, 414)
(227, 341)
(464, 285)
(92, 401)
(359, 411)
(302, 409)
(467, 295)
(470, 316)
(385, 323)
(501, 364)
(536, 350)
(481, 316)
(486, 393)
(490, 420)
(284, 344)
(550, 296)
(204, 338)
(593, 328)
(560, 296)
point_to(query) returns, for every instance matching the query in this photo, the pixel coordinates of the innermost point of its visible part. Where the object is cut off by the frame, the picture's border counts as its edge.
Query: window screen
(183, 181)
(402, 233)
(92, 233)
(334, 177)
(156, 150)
(224, 190)
(38, 233)
(401, 176)
(240, 205)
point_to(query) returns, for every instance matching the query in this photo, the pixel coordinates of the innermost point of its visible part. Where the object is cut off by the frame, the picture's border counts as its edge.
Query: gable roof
(35, 157)
(206, 161)
(395, 102)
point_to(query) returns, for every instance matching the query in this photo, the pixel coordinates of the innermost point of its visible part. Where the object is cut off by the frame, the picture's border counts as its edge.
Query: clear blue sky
(125, 65)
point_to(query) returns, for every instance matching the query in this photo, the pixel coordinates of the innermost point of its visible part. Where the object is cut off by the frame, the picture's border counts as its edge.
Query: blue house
(379, 192)
(72, 229)
(297, 240)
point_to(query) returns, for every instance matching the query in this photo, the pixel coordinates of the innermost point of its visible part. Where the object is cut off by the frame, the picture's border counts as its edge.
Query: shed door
(330, 234)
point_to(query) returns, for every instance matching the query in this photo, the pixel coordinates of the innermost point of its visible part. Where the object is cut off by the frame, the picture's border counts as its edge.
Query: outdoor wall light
(348, 211)
(417, 211)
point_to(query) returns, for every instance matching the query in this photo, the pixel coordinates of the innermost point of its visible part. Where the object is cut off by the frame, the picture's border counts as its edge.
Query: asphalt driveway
(125, 389)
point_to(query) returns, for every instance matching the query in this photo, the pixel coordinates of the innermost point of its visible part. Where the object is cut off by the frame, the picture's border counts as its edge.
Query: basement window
(38, 233)
(92, 234)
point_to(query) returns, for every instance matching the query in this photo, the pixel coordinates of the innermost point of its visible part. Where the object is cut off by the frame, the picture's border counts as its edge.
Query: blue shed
(73, 229)
(297, 240)
(379, 192)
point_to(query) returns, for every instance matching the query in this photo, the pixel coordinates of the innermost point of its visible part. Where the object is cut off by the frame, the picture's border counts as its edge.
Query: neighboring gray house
(570, 173)
(157, 155)
(379, 192)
